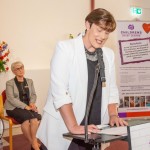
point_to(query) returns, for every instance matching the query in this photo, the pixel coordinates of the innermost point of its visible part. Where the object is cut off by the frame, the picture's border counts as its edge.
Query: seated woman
(20, 103)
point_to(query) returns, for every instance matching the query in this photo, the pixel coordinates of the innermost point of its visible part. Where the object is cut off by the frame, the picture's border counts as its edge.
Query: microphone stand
(100, 68)
(97, 70)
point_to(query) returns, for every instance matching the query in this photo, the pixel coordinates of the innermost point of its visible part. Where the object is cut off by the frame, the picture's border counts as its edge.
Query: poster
(133, 68)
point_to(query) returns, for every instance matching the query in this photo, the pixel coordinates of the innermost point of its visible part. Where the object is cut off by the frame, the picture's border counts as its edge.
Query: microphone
(100, 67)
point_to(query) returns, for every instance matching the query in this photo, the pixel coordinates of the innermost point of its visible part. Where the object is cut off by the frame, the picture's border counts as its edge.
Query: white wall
(41, 83)
(32, 28)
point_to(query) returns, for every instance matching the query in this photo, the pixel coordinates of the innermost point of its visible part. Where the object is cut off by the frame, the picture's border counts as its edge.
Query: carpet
(118, 145)
(19, 143)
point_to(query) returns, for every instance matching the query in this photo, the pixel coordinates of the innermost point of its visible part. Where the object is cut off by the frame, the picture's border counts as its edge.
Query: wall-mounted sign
(136, 11)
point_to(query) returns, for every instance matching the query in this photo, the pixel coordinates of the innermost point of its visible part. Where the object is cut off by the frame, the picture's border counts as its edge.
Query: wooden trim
(92, 4)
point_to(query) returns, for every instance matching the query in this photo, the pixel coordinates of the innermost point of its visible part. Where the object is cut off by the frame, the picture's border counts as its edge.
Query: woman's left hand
(115, 120)
(33, 107)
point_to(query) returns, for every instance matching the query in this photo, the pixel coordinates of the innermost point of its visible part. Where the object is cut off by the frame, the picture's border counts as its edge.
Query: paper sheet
(103, 126)
(122, 130)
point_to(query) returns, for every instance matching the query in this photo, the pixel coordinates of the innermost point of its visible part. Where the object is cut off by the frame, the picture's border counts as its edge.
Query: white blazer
(69, 78)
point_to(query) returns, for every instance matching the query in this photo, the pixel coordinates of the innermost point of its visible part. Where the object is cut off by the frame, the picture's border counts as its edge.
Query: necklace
(91, 55)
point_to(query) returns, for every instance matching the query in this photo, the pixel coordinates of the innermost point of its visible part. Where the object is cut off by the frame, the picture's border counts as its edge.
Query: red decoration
(146, 27)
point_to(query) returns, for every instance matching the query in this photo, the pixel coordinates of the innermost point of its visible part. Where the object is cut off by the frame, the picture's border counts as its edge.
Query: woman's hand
(33, 107)
(78, 129)
(113, 115)
(68, 116)
(115, 120)
(27, 107)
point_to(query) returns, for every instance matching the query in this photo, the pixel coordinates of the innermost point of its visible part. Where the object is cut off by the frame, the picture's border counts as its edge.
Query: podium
(96, 138)
(138, 135)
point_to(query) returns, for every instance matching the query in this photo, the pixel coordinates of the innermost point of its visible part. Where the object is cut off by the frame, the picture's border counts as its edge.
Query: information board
(133, 68)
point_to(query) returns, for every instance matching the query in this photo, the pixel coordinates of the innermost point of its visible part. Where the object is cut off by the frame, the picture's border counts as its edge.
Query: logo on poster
(131, 32)
(131, 27)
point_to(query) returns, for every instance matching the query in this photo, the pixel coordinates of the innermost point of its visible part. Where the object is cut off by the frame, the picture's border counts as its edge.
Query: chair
(7, 118)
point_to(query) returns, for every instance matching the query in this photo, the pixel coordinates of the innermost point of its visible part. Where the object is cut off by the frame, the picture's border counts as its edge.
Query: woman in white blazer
(66, 103)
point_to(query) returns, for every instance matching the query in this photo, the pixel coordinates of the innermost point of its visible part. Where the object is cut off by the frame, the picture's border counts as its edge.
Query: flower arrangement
(4, 52)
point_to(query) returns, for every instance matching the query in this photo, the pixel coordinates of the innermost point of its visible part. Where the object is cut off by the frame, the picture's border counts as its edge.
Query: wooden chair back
(10, 120)
(2, 101)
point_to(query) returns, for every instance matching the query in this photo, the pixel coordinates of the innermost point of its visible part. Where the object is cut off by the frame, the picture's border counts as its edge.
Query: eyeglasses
(20, 68)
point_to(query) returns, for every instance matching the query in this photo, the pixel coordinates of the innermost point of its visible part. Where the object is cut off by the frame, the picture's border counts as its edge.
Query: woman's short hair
(15, 64)
(102, 18)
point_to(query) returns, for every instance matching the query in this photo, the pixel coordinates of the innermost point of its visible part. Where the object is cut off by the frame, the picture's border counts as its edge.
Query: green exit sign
(136, 11)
